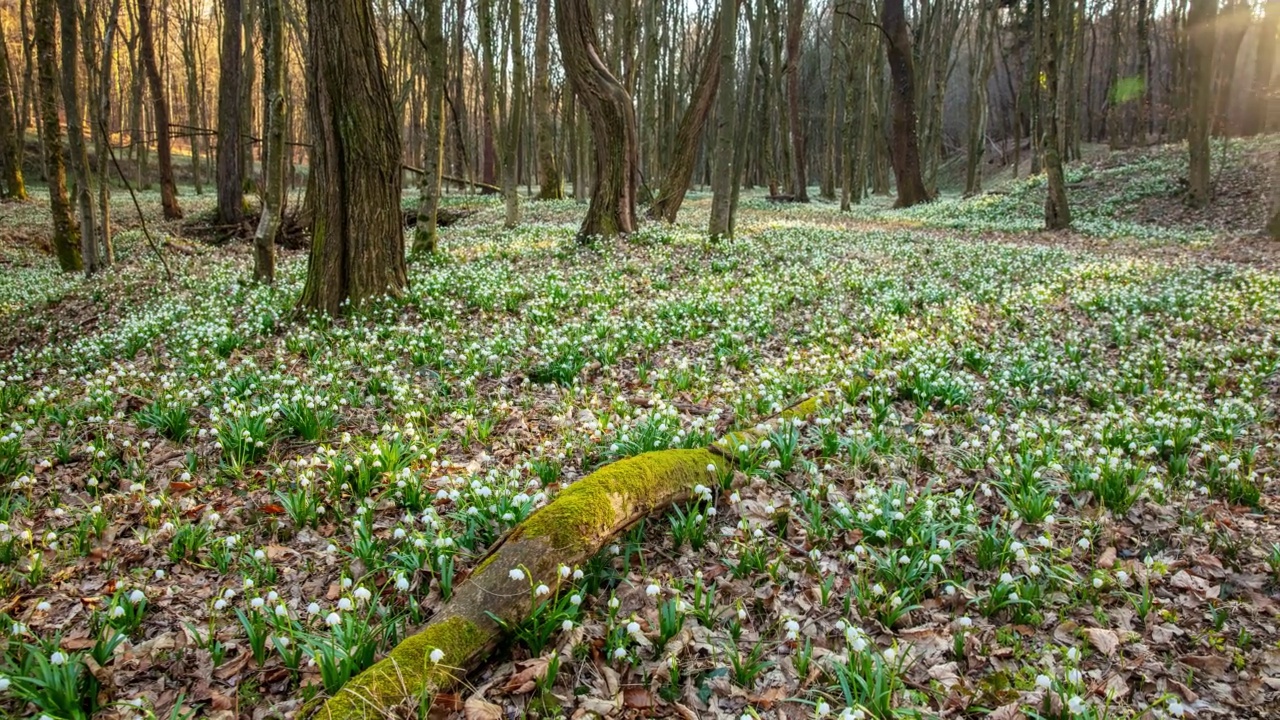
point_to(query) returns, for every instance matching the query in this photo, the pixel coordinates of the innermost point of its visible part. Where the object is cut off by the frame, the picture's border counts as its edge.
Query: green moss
(589, 507)
(804, 409)
(407, 671)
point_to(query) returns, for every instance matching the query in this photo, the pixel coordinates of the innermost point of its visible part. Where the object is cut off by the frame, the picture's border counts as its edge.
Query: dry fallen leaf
(1106, 641)
(526, 676)
(476, 708)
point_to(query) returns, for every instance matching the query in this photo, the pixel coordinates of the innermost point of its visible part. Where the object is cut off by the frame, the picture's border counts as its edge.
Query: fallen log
(568, 531)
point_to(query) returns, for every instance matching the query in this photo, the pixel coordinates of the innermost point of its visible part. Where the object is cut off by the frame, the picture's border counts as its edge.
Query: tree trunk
(1231, 24)
(613, 123)
(273, 169)
(230, 172)
(192, 64)
(831, 154)
(1264, 65)
(515, 121)
(11, 141)
(550, 183)
(102, 135)
(722, 178)
(981, 61)
(799, 180)
(488, 94)
(1200, 25)
(1273, 227)
(676, 181)
(164, 149)
(78, 153)
(426, 232)
(357, 246)
(1144, 73)
(742, 133)
(1057, 213)
(905, 151)
(66, 237)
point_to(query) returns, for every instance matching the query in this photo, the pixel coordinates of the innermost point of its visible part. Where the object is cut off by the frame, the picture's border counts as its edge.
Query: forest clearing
(427, 399)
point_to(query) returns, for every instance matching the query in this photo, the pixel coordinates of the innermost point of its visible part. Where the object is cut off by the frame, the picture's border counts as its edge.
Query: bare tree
(905, 143)
(357, 246)
(550, 183)
(613, 123)
(90, 253)
(66, 237)
(799, 179)
(230, 172)
(160, 111)
(514, 121)
(11, 142)
(722, 176)
(675, 182)
(426, 233)
(981, 62)
(1200, 25)
(273, 169)
(1057, 212)
(1263, 68)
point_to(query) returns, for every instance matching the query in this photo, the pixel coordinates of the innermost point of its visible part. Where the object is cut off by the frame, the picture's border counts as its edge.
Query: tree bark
(515, 121)
(613, 123)
(1273, 226)
(1232, 23)
(189, 59)
(11, 141)
(66, 237)
(1264, 65)
(800, 181)
(981, 60)
(230, 172)
(90, 253)
(831, 154)
(426, 232)
(1057, 212)
(1200, 25)
(550, 182)
(905, 150)
(160, 110)
(102, 136)
(722, 177)
(273, 168)
(357, 247)
(489, 160)
(676, 181)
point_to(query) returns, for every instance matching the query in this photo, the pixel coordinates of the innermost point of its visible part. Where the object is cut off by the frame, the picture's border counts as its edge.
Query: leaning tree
(905, 143)
(357, 243)
(612, 118)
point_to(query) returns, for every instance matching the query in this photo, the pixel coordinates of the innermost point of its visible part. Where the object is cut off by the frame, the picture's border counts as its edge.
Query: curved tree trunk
(66, 237)
(722, 175)
(905, 143)
(676, 182)
(799, 166)
(613, 123)
(550, 182)
(426, 232)
(1200, 25)
(11, 141)
(357, 246)
(160, 109)
(567, 532)
(273, 168)
(230, 173)
(90, 253)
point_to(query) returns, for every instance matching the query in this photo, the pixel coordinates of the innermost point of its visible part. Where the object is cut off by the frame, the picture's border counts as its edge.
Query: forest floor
(1043, 484)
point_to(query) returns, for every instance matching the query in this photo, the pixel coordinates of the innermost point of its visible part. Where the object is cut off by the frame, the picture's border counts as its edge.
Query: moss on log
(569, 530)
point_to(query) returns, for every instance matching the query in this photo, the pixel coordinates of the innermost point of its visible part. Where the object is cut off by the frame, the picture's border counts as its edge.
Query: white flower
(1176, 708)
(966, 621)
(218, 604)
(57, 658)
(332, 619)
(436, 656)
(575, 599)
(516, 574)
(4, 683)
(344, 604)
(136, 597)
(257, 603)
(567, 625)
(890, 654)
(541, 590)
(823, 709)
(1075, 705)
(313, 609)
(43, 606)
(652, 590)
(1044, 681)
(633, 627)
(282, 611)
(402, 583)
(619, 653)
(362, 593)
